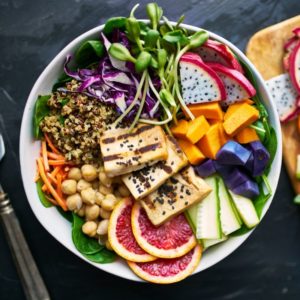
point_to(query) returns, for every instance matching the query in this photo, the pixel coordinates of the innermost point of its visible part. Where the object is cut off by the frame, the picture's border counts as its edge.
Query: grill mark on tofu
(111, 157)
(147, 148)
(108, 140)
(137, 132)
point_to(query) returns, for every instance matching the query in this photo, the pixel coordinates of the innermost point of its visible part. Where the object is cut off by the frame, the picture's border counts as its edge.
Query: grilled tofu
(125, 152)
(177, 194)
(143, 182)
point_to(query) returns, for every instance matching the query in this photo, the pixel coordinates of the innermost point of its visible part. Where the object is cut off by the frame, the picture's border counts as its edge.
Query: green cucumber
(211, 242)
(246, 210)
(298, 167)
(230, 220)
(208, 216)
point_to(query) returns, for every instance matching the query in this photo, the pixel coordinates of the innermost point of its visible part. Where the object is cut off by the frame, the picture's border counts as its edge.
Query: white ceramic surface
(55, 224)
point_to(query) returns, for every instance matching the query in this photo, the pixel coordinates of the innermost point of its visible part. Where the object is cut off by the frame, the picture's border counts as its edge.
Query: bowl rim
(27, 113)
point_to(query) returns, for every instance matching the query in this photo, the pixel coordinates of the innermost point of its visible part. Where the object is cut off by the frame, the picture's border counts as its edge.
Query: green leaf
(61, 120)
(151, 38)
(120, 52)
(82, 242)
(66, 214)
(271, 146)
(89, 52)
(261, 133)
(142, 61)
(41, 194)
(197, 39)
(104, 256)
(41, 110)
(114, 23)
(175, 37)
(63, 101)
(64, 78)
(144, 28)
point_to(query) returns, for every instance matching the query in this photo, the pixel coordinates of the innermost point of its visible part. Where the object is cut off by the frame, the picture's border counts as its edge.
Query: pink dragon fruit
(213, 51)
(199, 82)
(290, 44)
(284, 96)
(237, 86)
(294, 67)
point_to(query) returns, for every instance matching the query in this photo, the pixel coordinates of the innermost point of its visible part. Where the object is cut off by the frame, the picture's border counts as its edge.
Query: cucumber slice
(211, 242)
(245, 209)
(191, 215)
(298, 167)
(230, 221)
(208, 217)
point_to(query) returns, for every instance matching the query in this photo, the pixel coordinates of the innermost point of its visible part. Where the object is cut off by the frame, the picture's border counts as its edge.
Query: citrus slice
(169, 240)
(166, 271)
(120, 234)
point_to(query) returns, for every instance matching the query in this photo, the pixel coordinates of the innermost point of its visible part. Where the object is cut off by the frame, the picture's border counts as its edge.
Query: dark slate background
(32, 32)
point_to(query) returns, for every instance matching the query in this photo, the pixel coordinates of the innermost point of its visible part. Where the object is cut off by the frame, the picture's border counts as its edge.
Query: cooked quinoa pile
(75, 124)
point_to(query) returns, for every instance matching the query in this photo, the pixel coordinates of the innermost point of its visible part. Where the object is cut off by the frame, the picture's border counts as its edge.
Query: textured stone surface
(267, 266)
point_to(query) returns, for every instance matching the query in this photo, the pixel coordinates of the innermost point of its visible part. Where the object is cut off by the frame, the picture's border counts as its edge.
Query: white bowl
(56, 225)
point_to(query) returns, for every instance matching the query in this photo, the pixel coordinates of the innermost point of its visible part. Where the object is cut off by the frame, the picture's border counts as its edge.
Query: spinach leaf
(66, 214)
(63, 101)
(61, 120)
(41, 110)
(41, 194)
(83, 243)
(62, 79)
(114, 23)
(243, 230)
(89, 52)
(103, 256)
(271, 146)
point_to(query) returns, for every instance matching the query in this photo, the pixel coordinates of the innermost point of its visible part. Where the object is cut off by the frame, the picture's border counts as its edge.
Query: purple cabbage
(112, 84)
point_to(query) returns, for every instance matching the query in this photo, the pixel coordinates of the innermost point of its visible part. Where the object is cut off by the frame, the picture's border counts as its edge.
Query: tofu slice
(143, 182)
(177, 194)
(125, 152)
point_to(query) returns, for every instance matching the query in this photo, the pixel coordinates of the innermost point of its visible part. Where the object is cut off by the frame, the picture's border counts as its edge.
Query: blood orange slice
(166, 271)
(171, 239)
(120, 234)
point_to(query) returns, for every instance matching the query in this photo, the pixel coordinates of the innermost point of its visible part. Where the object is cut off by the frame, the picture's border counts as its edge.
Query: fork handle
(32, 282)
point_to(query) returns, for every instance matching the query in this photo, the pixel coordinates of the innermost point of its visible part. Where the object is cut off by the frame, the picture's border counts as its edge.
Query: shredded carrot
(45, 189)
(50, 144)
(58, 188)
(53, 174)
(45, 157)
(51, 200)
(52, 178)
(52, 191)
(37, 174)
(59, 162)
(54, 155)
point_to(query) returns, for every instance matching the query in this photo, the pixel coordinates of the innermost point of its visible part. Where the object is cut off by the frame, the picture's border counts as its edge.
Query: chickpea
(124, 191)
(82, 185)
(102, 227)
(106, 181)
(89, 172)
(117, 194)
(92, 212)
(81, 212)
(109, 202)
(69, 186)
(95, 185)
(105, 190)
(104, 214)
(88, 196)
(89, 228)
(74, 202)
(99, 198)
(75, 174)
(108, 245)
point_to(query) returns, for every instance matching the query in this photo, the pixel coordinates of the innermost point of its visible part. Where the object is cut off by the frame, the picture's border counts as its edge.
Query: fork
(32, 282)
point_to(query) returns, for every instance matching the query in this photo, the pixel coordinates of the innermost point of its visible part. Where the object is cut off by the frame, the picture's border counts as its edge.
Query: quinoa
(75, 124)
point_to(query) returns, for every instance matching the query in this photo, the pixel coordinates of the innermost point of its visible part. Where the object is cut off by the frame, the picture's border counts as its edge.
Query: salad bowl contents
(155, 143)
